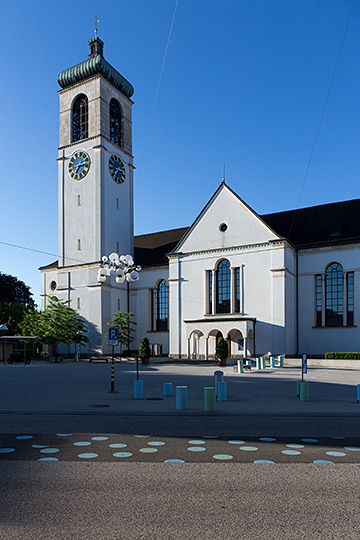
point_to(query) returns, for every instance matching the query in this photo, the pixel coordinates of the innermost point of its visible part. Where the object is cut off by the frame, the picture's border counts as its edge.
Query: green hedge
(343, 355)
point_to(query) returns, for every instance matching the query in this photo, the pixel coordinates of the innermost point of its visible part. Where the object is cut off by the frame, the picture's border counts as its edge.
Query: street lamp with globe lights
(122, 266)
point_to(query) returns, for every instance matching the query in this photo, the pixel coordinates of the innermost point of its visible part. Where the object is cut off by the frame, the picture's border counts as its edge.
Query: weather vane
(96, 21)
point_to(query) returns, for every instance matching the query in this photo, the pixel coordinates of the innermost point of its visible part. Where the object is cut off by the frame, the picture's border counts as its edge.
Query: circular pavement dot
(48, 459)
(82, 443)
(263, 461)
(148, 450)
(211, 436)
(196, 449)
(336, 454)
(316, 461)
(352, 448)
(24, 437)
(248, 448)
(337, 438)
(118, 445)
(223, 456)
(49, 450)
(142, 436)
(40, 446)
(122, 454)
(267, 439)
(6, 450)
(174, 461)
(310, 440)
(197, 442)
(295, 446)
(99, 438)
(236, 442)
(88, 455)
(156, 443)
(64, 434)
(291, 452)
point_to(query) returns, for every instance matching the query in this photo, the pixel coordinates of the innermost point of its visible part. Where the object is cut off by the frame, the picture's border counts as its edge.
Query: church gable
(226, 221)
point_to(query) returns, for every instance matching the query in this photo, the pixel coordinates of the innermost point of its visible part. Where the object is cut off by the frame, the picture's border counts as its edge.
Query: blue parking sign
(114, 336)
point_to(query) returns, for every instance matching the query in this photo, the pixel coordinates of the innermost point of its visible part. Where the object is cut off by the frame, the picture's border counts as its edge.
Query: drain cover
(99, 405)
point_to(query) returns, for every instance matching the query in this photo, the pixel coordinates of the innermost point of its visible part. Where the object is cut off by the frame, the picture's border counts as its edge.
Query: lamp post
(123, 268)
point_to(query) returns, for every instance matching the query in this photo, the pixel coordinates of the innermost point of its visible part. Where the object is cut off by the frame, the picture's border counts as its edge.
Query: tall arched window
(115, 122)
(334, 295)
(223, 292)
(162, 305)
(80, 118)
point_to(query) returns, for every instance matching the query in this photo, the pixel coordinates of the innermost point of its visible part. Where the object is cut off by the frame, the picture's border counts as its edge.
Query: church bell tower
(95, 175)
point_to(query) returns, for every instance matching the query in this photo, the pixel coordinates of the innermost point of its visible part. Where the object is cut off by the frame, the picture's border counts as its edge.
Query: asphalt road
(46, 410)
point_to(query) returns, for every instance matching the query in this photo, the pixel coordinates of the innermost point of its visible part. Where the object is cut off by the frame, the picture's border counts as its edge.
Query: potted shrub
(144, 350)
(221, 351)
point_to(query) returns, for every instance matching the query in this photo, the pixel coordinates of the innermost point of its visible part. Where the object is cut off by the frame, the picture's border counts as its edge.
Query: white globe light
(120, 279)
(114, 257)
(120, 272)
(101, 278)
(129, 260)
(122, 258)
(102, 272)
(138, 268)
(104, 259)
(132, 276)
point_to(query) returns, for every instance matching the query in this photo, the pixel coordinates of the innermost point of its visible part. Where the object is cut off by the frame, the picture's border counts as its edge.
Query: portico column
(245, 347)
(232, 290)
(206, 348)
(189, 345)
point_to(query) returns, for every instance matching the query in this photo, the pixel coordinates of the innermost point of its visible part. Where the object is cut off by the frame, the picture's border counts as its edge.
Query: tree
(14, 290)
(12, 314)
(58, 323)
(124, 322)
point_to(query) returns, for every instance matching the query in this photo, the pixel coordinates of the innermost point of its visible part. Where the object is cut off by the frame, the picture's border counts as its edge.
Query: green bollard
(258, 363)
(209, 399)
(304, 391)
(263, 362)
(240, 365)
(298, 388)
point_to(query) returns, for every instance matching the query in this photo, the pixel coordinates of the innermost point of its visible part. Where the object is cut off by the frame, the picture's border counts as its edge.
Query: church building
(284, 283)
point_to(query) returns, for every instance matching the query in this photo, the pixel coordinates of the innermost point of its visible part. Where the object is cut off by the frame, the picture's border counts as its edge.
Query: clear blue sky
(245, 83)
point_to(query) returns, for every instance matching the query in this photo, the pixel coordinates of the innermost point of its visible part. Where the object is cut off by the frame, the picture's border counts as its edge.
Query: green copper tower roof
(96, 64)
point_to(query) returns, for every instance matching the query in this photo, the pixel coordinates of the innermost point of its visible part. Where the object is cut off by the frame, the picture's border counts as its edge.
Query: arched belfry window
(334, 295)
(115, 122)
(80, 118)
(162, 305)
(223, 287)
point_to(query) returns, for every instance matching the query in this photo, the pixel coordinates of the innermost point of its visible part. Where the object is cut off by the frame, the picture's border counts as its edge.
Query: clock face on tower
(79, 165)
(117, 169)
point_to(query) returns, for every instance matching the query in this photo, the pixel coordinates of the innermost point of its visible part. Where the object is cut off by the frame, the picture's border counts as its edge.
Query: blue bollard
(181, 397)
(138, 389)
(222, 391)
(358, 394)
(272, 361)
(167, 389)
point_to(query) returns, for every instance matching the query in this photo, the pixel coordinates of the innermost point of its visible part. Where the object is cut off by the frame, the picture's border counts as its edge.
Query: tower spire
(96, 21)
(223, 176)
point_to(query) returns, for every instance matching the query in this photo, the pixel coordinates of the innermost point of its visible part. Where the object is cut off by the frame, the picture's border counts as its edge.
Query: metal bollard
(281, 360)
(298, 388)
(138, 389)
(272, 361)
(209, 399)
(263, 362)
(218, 377)
(222, 391)
(358, 394)
(167, 389)
(258, 363)
(181, 397)
(240, 365)
(304, 391)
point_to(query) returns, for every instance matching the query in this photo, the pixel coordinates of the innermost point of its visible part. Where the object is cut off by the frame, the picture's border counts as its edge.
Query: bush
(221, 351)
(343, 355)
(144, 348)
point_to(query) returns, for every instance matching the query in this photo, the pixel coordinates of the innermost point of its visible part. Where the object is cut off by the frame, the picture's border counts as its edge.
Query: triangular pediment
(225, 222)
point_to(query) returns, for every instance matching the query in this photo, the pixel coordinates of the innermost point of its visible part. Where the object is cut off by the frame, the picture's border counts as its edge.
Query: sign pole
(113, 341)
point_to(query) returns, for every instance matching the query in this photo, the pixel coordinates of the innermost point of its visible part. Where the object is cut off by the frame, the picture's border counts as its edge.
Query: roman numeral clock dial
(117, 169)
(79, 165)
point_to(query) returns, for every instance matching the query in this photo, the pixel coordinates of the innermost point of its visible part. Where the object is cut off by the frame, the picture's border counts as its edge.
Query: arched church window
(334, 295)
(223, 292)
(162, 305)
(115, 122)
(80, 118)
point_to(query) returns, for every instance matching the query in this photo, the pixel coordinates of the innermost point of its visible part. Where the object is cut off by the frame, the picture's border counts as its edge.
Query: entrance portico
(202, 336)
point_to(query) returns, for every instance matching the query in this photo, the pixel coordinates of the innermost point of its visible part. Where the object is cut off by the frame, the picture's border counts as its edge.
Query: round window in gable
(223, 227)
(53, 285)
